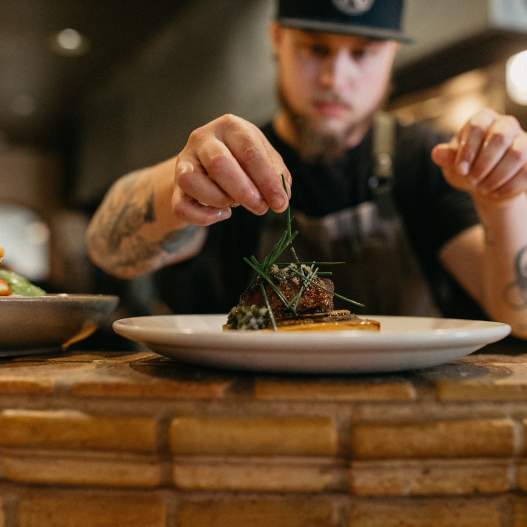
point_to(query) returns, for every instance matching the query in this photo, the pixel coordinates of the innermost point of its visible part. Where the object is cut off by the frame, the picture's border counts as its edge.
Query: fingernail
(463, 168)
(224, 213)
(261, 211)
(278, 201)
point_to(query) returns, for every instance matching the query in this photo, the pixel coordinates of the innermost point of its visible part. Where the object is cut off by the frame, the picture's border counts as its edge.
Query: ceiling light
(23, 105)
(517, 78)
(70, 43)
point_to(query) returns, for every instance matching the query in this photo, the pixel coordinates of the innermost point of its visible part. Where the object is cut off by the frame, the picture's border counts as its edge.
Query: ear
(275, 34)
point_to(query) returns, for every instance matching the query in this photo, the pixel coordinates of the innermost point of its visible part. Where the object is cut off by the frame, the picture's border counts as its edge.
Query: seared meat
(316, 298)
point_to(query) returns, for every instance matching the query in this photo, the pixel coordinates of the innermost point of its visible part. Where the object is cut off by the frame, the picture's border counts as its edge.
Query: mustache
(330, 98)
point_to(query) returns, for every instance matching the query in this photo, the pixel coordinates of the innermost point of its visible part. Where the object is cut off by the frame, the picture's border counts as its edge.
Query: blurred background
(90, 90)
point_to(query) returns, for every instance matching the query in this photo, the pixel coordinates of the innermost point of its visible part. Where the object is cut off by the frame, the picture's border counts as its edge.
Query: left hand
(487, 157)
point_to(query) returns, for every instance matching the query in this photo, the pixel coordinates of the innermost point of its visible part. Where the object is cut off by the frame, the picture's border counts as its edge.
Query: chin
(333, 126)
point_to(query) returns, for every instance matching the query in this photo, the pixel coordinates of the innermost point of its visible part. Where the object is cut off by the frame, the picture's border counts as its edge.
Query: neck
(287, 132)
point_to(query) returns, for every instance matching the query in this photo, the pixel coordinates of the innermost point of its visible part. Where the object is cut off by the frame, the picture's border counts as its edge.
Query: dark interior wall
(212, 58)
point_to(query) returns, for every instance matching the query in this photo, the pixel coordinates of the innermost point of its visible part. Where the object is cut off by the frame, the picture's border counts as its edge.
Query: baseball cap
(380, 19)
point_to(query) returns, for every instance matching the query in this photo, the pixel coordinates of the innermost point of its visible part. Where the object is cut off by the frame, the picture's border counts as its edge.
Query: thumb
(444, 155)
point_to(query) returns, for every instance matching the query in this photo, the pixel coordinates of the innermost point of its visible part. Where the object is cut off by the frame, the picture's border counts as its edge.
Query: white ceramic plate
(404, 343)
(42, 323)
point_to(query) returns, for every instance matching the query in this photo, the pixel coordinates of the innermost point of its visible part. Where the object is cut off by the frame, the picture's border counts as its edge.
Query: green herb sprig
(307, 271)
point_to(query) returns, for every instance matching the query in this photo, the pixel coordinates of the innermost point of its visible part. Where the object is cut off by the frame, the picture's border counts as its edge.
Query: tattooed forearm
(124, 237)
(516, 291)
(125, 211)
(141, 250)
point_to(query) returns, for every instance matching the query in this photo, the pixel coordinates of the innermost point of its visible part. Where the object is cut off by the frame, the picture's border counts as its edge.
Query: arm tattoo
(140, 250)
(127, 208)
(516, 291)
(125, 215)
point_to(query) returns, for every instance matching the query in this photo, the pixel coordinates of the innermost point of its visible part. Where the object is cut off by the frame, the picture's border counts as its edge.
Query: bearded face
(329, 86)
(317, 139)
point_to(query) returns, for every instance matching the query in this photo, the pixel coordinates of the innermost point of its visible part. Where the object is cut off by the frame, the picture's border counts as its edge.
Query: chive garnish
(306, 270)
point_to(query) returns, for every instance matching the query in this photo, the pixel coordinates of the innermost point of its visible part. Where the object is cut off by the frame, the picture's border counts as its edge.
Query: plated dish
(295, 295)
(31, 320)
(404, 343)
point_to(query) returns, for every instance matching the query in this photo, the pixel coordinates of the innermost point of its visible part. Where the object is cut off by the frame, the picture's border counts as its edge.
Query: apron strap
(381, 181)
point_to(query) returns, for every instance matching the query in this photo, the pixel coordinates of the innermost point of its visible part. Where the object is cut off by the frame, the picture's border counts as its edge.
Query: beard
(316, 144)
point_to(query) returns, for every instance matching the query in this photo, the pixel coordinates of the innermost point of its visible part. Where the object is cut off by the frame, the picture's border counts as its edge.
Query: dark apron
(383, 272)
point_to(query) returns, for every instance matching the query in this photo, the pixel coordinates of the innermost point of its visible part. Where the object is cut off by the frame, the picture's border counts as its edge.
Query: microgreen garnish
(306, 271)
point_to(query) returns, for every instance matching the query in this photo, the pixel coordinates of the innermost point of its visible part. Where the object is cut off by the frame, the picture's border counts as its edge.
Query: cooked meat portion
(316, 298)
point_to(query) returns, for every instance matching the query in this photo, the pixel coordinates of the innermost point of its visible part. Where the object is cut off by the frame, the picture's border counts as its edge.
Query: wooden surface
(135, 439)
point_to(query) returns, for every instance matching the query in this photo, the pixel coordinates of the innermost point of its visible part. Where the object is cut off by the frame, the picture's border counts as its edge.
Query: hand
(226, 163)
(487, 157)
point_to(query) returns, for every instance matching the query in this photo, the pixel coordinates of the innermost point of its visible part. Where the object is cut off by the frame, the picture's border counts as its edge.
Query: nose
(337, 70)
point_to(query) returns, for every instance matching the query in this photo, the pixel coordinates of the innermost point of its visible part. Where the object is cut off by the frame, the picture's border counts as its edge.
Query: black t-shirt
(431, 211)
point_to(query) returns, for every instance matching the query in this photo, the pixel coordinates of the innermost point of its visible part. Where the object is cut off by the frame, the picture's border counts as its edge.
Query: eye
(318, 50)
(359, 54)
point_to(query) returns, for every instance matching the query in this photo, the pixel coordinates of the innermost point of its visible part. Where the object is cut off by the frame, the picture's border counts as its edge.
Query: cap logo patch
(353, 7)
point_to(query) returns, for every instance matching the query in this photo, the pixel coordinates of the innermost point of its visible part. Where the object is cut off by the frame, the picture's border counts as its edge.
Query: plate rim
(436, 338)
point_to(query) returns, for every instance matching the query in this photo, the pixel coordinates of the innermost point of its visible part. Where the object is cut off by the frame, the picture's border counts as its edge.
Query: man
(419, 234)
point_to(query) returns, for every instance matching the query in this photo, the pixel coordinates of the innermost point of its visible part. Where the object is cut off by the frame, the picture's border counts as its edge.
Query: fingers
(507, 168)
(471, 138)
(497, 143)
(490, 156)
(189, 211)
(444, 155)
(226, 163)
(224, 170)
(517, 184)
(263, 165)
(193, 182)
(277, 162)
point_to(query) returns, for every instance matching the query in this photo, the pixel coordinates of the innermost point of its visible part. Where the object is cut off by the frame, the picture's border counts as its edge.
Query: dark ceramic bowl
(51, 321)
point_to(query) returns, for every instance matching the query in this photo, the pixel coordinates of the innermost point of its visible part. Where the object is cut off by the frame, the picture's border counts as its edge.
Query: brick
(429, 439)
(63, 509)
(334, 390)
(288, 436)
(134, 385)
(426, 513)
(307, 512)
(429, 478)
(76, 430)
(259, 477)
(11, 385)
(521, 475)
(524, 434)
(480, 378)
(520, 512)
(82, 472)
(35, 378)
